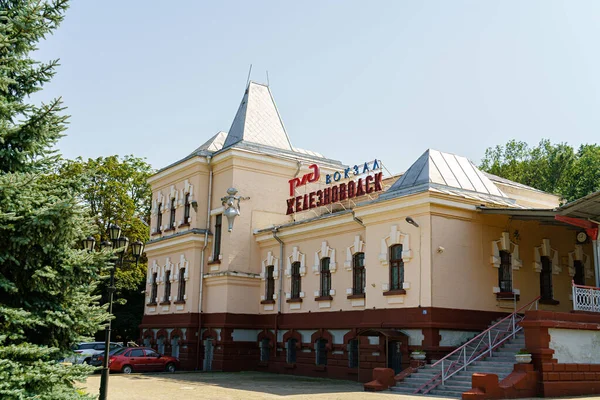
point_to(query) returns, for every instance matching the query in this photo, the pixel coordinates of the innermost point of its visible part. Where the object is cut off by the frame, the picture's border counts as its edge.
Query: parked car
(85, 351)
(97, 359)
(140, 359)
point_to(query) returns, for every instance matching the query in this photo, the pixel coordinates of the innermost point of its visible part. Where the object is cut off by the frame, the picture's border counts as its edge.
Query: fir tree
(46, 280)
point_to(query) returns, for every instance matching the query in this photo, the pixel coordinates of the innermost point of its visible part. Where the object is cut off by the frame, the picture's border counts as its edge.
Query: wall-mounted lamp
(194, 204)
(231, 203)
(412, 221)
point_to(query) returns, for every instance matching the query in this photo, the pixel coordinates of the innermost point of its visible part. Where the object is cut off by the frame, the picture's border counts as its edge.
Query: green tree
(117, 191)
(553, 168)
(47, 283)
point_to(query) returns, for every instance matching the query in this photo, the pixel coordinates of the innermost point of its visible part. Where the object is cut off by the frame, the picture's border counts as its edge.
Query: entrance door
(208, 354)
(394, 356)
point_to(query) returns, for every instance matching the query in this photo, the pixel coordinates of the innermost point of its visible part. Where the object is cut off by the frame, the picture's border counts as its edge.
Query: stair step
(401, 389)
(446, 393)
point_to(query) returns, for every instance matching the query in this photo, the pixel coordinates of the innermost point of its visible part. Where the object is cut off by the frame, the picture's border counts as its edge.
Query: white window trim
(296, 256)
(357, 247)
(324, 252)
(578, 255)
(545, 250)
(395, 237)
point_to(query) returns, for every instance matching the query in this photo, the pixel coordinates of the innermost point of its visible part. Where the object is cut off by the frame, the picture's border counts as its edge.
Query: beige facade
(239, 284)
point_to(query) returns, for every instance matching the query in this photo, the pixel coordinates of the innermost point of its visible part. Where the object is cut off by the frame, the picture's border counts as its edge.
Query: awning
(587, 207)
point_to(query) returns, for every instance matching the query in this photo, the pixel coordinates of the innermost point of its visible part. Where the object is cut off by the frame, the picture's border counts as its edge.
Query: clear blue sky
(353, 80)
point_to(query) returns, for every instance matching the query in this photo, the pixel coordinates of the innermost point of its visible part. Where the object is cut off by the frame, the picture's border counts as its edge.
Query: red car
(138, 359)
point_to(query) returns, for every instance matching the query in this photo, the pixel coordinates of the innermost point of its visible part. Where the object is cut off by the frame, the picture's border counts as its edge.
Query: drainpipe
(201, 291)
(279, 296)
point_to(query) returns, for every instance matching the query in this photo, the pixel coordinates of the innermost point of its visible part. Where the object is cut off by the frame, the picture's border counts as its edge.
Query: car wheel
(127, 369)
(170, 367)
(87, 361)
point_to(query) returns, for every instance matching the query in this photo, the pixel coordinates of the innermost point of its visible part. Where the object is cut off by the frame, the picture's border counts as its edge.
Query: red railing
(481, 345)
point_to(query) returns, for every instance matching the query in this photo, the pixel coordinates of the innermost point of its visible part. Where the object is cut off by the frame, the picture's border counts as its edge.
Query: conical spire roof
(258, 121)
(437, 169)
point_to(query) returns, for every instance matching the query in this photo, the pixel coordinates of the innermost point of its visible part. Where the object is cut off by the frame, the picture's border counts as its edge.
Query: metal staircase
(492, 351)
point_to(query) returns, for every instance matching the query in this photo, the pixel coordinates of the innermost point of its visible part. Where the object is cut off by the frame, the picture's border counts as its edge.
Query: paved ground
(231, 386)
(236, 386)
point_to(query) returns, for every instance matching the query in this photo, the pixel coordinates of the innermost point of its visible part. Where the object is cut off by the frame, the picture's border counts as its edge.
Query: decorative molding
(395, 237)
(579, 255)
(545, 250)
(357, 247)
(183, 263)
(324, 252)
(504, 244)
(296, 256)
(173, 194)
(160, 199)
(267, 262)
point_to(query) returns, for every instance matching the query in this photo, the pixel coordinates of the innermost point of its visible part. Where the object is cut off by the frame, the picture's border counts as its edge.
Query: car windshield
(85, 346)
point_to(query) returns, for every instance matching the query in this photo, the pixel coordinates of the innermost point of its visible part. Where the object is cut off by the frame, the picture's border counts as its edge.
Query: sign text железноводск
(343, 191)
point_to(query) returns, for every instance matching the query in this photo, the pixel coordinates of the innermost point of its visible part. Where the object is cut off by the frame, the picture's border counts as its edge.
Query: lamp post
(120, 244)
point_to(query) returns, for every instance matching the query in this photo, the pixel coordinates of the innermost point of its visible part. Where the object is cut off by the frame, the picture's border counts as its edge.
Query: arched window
(505, 272)
(321, 351)
(160, 343)
(175, 347)
(186, 209)
(546, 290)
(269, 283)
(291, 351)
(296, 283)
(159, 217)
(358, 273)
(353, 353)
(172, 219)
(264, 349)
(396, 268)
(325, 277)
(181, 292)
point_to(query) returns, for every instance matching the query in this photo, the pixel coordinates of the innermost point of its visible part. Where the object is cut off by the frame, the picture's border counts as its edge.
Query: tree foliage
(117, 191)
(553, 168)
(47, 283)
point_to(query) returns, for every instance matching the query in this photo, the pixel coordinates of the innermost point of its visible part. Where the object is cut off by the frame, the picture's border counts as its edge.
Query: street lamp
(232, 209)
(119, 244)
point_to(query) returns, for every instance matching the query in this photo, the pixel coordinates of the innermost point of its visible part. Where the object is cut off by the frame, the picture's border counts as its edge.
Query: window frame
(159, 218)
(358, 274)
(579, 275)
(321, 352)
(291, 356)
(181, 288)
(505, 276)
(353, 353)
(269, 282)
(396, 264)
(154, 290)
(265, 350)
(167, 293)
(546, 285)
(186, 209)
(217, 236)
(325, 277)
(173, 214)
(296, 283)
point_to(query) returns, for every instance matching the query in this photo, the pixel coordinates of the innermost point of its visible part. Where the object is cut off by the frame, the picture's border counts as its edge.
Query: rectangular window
(172, 220)
(270, 283)
(396, 268)
(291, 351)
(505, 272)
(296, 283)
(167, 286)
(154, 293)
(579, 277)
(325, 277)
(264, 349)
(159, 218)
(217, 252)
(353, 353)
(186, 209)
(321, 352)
(546, 279)
(181, 292)
(358, 274)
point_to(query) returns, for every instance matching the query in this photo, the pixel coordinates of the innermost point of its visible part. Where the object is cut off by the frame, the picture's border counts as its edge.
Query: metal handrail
(479, 346)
